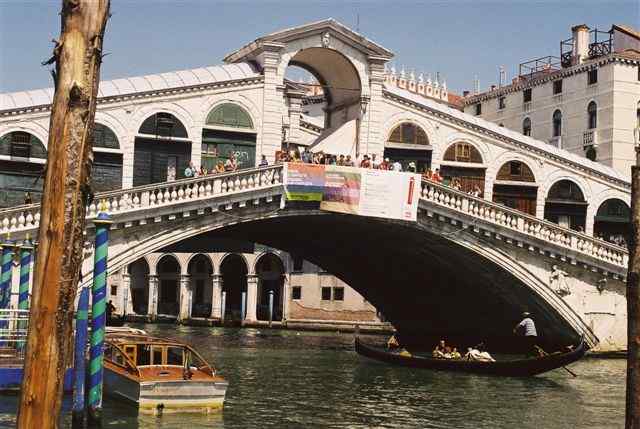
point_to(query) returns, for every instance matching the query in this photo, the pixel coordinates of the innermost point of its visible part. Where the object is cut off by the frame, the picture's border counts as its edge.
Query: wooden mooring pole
(77, 56)
(632, 418)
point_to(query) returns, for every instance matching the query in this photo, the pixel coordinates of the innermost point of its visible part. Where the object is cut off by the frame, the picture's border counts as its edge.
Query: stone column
(216, 310)
(252, 298)
(127, 299)
(371, 133)
(152, 309)
(186, 297)
(272, 108)
(295, 108)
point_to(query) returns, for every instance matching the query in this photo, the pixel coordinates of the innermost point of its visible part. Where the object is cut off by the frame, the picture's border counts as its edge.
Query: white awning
(338, 141)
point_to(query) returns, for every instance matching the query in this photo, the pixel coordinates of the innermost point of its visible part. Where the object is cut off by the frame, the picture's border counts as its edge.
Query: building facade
(585, 101)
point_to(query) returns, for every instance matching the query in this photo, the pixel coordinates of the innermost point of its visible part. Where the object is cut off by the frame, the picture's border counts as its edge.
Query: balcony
(590, 139)
(556, 141)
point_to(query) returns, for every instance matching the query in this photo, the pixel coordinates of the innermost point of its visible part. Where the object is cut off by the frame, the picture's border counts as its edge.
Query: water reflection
(283, 379)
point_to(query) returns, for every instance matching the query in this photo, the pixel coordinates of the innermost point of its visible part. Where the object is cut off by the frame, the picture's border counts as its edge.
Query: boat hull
(170, 396)
(11, 378)
(513, 368)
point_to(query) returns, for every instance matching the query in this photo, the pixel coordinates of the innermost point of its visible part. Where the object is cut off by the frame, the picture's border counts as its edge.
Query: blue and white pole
(243, 307)
(79, 366)
(270, 306)
(98, 316)
(6, 262)
(26, 251)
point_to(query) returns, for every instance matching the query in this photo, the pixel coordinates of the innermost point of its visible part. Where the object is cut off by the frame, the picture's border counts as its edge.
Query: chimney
(580, 44)
(465, 93)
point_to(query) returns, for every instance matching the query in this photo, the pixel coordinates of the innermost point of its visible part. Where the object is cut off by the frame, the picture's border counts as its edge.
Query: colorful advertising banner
(359, 191)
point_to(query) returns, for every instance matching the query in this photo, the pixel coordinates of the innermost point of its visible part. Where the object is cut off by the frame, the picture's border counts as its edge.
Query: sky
(460, 39)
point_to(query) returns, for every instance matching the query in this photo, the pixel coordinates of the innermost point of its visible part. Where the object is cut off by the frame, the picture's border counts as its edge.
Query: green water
(288, 379)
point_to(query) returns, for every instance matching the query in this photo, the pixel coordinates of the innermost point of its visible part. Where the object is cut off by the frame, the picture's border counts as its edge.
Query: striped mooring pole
(5, 277)
(79, 356)
(98, 316)
(26, 251)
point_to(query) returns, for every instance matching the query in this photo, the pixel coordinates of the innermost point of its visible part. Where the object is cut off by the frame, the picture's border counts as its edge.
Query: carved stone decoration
(558, 281)
(326, 40)
(601, 284)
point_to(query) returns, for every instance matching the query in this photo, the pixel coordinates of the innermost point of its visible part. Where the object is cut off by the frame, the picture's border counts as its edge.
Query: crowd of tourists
(363, 161)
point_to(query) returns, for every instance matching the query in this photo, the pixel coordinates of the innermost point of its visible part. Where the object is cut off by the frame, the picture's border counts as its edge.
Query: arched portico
(233, 271)
(168, 271)
(270, 272)
(200, 271)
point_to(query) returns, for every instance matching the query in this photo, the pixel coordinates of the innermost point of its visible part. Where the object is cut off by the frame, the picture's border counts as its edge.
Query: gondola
(508, 368)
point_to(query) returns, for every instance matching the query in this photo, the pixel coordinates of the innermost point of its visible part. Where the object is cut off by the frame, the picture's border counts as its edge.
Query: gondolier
(527, 330)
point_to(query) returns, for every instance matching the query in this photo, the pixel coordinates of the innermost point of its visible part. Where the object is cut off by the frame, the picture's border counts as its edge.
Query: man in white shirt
(397, 166)
(375, 162)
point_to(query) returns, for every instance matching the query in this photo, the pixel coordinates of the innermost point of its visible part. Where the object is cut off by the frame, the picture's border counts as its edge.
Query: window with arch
(613, 221)
(22, 144)
(408, 133)
(565, 190)
(463, 152)
(557, 123)
(592, 115)
(104, 137)
(515, 171)
(163, 124)
(565, 205)
(526, 127)
(229, 115)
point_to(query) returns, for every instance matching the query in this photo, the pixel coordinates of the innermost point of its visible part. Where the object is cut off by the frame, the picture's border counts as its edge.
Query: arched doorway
(162, 150)
(462, 161)
(106, 172)
(270, 272)
(566, 205)
(200, 273)
(234, 282)
(228, 130)
(408, 143)
(139, 284)
(613, 222)
(515, 187)
(22, 170)
(168, 270)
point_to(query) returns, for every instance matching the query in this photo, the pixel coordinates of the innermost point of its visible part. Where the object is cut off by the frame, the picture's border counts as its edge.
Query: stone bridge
(466, 268)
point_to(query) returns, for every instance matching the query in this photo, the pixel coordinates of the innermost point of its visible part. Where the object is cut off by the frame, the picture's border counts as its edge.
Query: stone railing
(523, 223)
(27, 217)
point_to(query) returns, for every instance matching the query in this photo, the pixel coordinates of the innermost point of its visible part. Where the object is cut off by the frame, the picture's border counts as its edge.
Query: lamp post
(632, 418)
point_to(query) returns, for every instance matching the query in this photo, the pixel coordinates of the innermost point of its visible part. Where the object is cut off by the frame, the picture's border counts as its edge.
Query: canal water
(289, 379)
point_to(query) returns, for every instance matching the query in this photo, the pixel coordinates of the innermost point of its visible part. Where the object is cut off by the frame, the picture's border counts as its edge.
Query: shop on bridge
(463, 161)
(408, 143)
(565, 205)
(22, 160)
(228, 130)
(613, 221)
(515, 186)
(162, 150)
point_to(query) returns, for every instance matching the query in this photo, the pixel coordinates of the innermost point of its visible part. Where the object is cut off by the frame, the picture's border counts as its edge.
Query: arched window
(565, 205)
(613, 221)
(408, 133)
(229, 115)
(22, 144)
(565, 190)
(515, 171)
(557, 123)
(104, 137)
(228, 132)
(526, 127)
(164, 125)
(463, 152)
(592, 112)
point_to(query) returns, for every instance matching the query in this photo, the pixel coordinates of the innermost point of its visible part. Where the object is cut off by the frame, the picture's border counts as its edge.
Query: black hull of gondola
(512, 368)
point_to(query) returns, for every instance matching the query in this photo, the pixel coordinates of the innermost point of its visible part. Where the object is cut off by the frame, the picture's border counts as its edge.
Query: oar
(543, 353)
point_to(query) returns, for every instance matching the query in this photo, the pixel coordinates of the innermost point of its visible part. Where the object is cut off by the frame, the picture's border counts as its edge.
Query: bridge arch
(234, 273)
(200, 271)
(270, 270)
(412, 297)
(168, 269)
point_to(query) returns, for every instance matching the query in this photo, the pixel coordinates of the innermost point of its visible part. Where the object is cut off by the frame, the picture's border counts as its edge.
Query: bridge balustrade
(523, 223)
(26, 217)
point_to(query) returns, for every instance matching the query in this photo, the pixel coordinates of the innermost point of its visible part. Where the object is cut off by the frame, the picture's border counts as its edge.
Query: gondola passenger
(442, 351)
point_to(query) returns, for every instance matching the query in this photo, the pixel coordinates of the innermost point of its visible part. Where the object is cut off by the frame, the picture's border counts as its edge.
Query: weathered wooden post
(243, 307)
(223, 304)
(632, 418)
(270, 307)
(77, 57)
(79, 358)
(98, 316)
